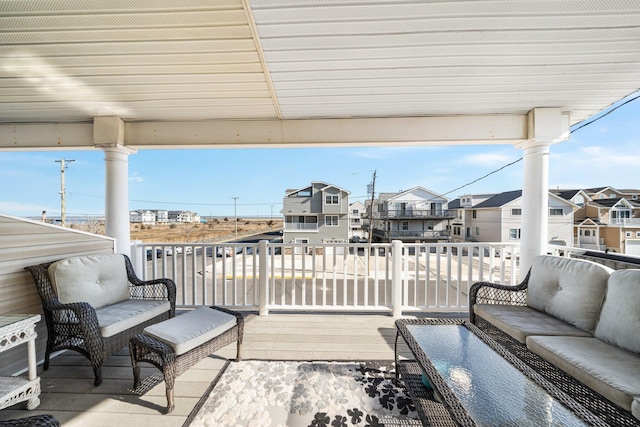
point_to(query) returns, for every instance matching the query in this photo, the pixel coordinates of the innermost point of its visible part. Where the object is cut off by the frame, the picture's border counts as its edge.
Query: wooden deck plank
(68, 392)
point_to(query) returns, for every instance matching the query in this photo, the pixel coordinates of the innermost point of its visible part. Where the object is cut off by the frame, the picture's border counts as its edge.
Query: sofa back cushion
(99, 280)
(619, 322)
(568, 289)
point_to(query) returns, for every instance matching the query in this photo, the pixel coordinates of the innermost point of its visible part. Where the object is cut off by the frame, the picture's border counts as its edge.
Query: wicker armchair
(74, 325)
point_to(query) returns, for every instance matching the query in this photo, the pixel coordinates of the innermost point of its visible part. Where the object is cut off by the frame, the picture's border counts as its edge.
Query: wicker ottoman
(176, 344)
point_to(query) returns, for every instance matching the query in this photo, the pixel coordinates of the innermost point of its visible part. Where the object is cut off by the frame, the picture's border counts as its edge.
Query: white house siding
(487, 222)
(23, 243)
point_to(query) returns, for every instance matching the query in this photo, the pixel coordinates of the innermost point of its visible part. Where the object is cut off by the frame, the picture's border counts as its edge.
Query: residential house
(162, 216)
(607, 219)
(142, 217)
(415, 215)
(498, 218)
(316, 214)
(356, 217)
(183, 217)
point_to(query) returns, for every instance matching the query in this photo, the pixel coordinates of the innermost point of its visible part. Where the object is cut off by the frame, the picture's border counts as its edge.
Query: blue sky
(607, 152)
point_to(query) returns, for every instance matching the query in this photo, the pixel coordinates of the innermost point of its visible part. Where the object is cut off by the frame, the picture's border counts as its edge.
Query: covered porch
(124, 77)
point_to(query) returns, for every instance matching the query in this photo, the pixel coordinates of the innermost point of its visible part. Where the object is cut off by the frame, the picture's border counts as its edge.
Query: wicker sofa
(94, 304)
(579, 316)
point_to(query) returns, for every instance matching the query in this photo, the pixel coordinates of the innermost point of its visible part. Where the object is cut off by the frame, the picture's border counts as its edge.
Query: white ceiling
(205, 60)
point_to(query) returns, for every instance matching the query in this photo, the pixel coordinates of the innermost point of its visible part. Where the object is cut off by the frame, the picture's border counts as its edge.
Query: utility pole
(235, 213)
(63, 199)
(372, 188)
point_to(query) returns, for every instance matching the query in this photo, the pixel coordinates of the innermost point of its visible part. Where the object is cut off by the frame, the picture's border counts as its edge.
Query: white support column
(117, 197)
(108, 134)
(546, 126)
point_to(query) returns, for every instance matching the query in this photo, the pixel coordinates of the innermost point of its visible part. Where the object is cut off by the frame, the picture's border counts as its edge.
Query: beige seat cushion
(115, 318)
(619, 322)
(100, 280)
(635, 407)
(569, 289)
(187, 331)
(607, 369)
(520, 321)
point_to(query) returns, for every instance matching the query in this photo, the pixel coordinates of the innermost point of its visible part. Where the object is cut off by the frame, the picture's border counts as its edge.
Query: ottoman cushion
(187, 331)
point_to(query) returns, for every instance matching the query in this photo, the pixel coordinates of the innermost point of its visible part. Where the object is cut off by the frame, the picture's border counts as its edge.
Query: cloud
(610, 158)
(596, 165)
(136, 178)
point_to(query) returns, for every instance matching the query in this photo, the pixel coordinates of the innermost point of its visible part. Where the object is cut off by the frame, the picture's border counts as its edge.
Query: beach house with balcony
(415, 215)
(142, 217)
(356, 218)
(316, 214)
(607, 218)
(498, 218)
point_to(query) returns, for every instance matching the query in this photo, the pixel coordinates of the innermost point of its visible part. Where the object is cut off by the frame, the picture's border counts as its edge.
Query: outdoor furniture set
(96, 305)
(569, 329)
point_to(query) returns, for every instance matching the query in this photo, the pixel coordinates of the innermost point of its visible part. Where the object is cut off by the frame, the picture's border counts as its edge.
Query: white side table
(16, 329)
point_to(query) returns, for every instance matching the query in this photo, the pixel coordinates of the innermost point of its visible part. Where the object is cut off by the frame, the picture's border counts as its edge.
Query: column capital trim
(117, 148)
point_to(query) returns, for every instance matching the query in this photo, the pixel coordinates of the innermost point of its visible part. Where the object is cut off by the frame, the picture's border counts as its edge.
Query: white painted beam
(450, 130)
(445, 130)
(49, 136)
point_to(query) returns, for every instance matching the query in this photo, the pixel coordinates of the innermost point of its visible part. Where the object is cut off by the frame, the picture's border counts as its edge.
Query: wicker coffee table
(482, 384)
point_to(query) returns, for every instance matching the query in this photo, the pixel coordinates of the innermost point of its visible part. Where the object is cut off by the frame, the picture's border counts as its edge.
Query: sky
(603, 153)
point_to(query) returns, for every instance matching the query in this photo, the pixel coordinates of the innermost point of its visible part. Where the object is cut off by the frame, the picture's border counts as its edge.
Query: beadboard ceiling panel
(202, 60)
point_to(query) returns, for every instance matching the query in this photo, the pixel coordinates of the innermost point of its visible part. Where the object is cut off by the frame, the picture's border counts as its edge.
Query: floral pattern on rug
(306, 394)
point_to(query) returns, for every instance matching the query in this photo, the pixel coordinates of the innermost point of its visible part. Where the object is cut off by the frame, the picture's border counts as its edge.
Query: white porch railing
(300, 226)
(340, 277)
(624, 221)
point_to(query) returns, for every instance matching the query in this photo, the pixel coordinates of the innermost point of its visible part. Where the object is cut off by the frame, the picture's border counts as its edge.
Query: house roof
(454, 204)
(565, 194)
(323, 186)
(233, 73)
(499, 199)
(613, 201)
(388, 196)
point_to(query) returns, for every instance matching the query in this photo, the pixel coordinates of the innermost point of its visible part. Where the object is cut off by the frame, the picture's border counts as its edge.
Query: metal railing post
(263, 276)
(396, 278)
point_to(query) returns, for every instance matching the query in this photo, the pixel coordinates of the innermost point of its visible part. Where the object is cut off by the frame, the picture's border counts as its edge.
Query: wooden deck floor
(68, 392)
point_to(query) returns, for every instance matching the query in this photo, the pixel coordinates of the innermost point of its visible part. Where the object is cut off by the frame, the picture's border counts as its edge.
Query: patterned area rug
(302, 394)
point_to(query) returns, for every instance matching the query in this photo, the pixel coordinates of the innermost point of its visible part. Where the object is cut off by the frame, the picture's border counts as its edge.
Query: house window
(473, 213)
(477, 231)
(355, 212)
(627, 234)
(516, 212)
(587, 233)
(332, 199)
(331, 220)
(405, 226)
(430, 225)
(514, 233)
(638, 234)
(555, 211)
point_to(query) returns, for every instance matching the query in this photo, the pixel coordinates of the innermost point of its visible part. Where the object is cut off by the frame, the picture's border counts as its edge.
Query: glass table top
(491, 390)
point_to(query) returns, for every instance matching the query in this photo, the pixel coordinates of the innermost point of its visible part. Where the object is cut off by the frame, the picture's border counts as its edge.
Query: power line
(603, 115)
(483, 177)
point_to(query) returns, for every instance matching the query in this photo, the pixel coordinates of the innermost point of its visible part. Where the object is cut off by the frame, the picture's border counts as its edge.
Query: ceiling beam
(441, 130)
